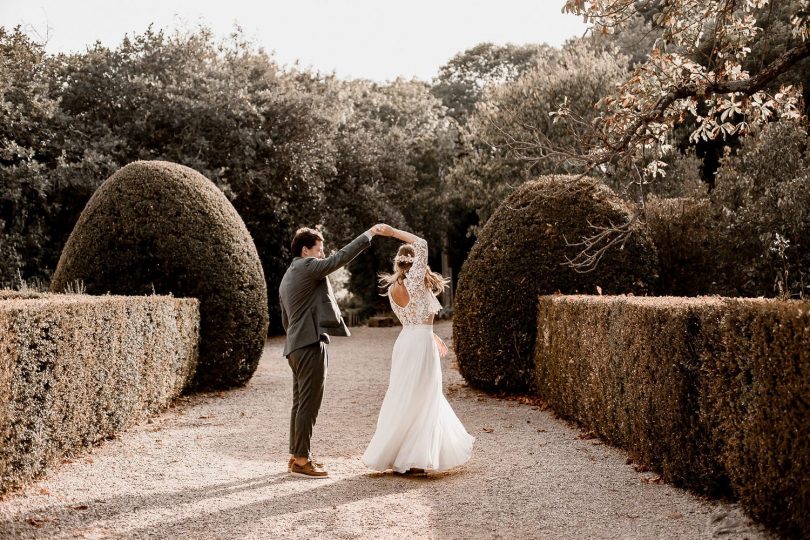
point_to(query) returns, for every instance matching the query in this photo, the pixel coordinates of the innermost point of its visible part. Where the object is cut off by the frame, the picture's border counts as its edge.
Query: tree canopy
(699, 69)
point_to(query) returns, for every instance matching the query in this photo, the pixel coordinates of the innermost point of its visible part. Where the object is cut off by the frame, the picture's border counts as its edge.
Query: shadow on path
(51, 519)
(55, 519)
(322, 494)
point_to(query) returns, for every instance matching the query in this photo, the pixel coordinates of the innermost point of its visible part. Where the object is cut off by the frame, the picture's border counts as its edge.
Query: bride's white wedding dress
(417, 428)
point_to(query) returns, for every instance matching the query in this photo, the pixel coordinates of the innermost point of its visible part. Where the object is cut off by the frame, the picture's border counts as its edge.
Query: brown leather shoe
(307, 470)
(312, 458)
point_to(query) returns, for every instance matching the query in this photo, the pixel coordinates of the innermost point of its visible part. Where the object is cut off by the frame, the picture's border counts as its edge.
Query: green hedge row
(713, 393)
(76, 369)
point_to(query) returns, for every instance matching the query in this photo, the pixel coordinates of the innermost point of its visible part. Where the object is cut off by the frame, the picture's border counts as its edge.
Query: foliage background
(295, 148)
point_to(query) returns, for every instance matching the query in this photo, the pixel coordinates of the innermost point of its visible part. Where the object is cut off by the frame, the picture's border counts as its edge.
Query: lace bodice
(423, 304)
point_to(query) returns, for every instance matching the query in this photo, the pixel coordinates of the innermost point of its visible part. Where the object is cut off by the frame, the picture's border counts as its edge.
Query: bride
(417, 429)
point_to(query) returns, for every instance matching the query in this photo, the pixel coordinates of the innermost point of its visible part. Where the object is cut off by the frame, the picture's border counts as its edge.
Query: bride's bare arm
(405, 236)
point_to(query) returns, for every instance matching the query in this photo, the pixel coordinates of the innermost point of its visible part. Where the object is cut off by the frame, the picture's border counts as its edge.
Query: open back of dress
(422, 303)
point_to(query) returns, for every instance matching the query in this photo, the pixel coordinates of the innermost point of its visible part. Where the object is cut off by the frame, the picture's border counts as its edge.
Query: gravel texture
(214, 466)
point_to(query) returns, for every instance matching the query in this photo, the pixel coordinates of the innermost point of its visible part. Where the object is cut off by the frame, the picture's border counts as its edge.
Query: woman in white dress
(417, 430)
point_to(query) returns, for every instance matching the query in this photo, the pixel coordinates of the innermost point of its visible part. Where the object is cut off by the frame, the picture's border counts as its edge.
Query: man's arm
(324, 267)
(285, 322)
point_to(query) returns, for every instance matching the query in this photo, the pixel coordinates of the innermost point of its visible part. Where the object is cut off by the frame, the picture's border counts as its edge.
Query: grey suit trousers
(309, 365)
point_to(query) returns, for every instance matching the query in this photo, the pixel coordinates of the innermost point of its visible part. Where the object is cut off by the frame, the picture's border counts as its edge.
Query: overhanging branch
(747, 86)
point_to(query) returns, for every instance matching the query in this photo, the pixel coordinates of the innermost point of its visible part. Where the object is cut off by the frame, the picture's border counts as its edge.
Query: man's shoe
(315, 461)
(307, 470)
(311, 458)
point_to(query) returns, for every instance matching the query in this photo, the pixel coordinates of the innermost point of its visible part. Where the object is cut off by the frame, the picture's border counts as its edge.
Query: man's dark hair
(304, 238)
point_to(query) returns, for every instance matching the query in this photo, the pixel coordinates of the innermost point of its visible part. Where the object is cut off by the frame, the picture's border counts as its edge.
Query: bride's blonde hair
(433, 281)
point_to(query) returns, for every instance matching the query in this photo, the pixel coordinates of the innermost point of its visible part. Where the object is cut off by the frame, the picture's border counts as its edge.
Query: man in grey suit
(310, 314)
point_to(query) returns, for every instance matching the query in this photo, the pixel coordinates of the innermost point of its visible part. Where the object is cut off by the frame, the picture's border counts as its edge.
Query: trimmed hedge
(520, 254)
(159, 227)
(77, 369)
(11, 294)
(713, 393)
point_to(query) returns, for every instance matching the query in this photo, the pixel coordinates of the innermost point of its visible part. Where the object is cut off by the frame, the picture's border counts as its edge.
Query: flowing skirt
(417, 428)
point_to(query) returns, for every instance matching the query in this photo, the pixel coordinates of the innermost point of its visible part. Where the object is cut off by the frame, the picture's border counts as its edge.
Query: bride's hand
(383, 229)
(442, 347)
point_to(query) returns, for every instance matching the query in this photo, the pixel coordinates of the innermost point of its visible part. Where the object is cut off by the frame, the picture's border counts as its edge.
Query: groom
(309, 313)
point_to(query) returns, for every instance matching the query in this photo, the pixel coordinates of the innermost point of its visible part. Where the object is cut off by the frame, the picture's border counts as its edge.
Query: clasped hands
(382, 229)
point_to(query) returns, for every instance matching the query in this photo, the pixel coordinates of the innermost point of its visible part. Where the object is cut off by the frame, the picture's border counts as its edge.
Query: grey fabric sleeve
(323, 267)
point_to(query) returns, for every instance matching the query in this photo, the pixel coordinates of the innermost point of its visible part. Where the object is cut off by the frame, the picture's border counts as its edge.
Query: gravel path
(214, 466)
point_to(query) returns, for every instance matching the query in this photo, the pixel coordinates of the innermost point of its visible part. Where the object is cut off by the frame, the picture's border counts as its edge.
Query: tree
(393, 143)
(697, 70)
(762, 201)
(33, 159)
(634, 40)
(511, 120)
(288, 148)
(222, 108)
(462, 81)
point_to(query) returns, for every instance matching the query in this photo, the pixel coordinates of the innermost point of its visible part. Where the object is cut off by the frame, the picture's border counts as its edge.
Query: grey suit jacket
(308, 305)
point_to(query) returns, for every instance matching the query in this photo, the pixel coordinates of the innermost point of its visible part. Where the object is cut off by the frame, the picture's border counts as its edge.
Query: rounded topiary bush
(520, 254)
(160, 227)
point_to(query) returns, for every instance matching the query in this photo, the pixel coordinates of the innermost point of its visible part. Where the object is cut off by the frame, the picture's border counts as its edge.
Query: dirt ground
(214, 466)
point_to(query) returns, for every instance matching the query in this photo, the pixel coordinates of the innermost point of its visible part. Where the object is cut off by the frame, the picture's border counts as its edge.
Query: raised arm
(405, 236)
(416, 274)
(323, 267)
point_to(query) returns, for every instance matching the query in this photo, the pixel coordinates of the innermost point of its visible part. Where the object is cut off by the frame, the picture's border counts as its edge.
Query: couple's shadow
(318, 494)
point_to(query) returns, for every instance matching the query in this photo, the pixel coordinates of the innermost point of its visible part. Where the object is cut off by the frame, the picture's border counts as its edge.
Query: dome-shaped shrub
(519, 255)
(160, 227)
